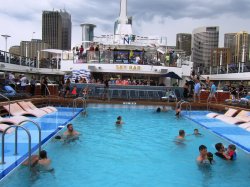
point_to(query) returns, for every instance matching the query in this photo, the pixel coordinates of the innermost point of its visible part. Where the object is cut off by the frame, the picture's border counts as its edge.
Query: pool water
(142, 152)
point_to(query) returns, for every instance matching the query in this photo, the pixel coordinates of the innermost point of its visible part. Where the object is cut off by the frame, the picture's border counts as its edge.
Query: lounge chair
(17, 110)
(4, 126)
(241, 117)
(245, 125)
(47, 109)
(26, 107)
(230, 112)
(169, 96)
(13, 120)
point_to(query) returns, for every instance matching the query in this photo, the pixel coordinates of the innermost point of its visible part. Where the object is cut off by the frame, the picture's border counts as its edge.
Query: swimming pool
(140, 153)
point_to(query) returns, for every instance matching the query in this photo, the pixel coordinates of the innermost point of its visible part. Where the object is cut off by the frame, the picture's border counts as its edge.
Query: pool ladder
(84, 104)
(19, 125)
(188, 105)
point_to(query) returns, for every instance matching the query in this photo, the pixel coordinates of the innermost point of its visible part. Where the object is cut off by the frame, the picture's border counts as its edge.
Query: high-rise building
(183, 42)
(204, 40)
(241, 47)
(56, 29)
(87, 33)
(228, 40)
(229, 43)
(24, 49)
(15, 50)
(31, 48)
(220, 57)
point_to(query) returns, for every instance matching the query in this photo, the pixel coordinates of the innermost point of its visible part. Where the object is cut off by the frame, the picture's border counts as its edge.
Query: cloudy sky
(20, 18)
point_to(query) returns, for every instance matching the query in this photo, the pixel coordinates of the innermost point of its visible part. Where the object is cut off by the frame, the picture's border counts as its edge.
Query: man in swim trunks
(70, 131)
(202, 158)
(181, 135)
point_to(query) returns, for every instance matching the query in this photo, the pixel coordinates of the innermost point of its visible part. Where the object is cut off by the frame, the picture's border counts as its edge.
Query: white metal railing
(188, 106)
(84, 104)
(16, 139)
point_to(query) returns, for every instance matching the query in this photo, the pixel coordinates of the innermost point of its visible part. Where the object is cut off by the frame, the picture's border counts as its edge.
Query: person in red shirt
(81, 50)
(74, 91)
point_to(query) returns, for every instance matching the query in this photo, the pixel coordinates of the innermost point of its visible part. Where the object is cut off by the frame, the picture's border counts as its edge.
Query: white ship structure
(121, 54)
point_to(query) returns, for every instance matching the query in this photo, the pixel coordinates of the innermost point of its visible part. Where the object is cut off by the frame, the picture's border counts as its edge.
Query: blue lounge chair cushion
(10, 90)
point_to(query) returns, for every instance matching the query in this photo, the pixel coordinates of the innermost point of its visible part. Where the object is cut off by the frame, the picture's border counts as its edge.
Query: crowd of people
(206, 157)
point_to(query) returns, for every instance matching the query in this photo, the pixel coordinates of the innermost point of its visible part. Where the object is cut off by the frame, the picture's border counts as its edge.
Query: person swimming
(158, 110)
(203, 156)
(70, 134)
(44, 163)
(119, 121)
(197, 133)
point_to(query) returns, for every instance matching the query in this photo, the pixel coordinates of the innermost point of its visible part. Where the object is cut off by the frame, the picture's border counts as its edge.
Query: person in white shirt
(23, 82)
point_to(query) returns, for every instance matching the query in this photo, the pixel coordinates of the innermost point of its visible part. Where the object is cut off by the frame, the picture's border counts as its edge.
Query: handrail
(178, 103)
(29, 137)
(84, 103)
(188, 104)
(46, 88)
(16, 138)
(39, 131)
(8, 102)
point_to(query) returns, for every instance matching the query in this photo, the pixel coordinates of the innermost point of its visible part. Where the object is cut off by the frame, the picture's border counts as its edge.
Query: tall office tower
(87, 33)
(183, 42)
(228, 40)
(241, 47)
(30, 49)
(24, 48)
(229, 43)
(56, 29)
(221, 57)
(204, 40)
(36, 46)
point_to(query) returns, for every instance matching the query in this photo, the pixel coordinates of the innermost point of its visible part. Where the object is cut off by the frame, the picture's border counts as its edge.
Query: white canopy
(56, 51)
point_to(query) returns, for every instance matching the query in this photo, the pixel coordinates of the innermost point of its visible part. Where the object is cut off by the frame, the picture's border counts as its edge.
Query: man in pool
(181, 135)
(70, 131)
(41, 161)
(44, 162)
(202, 158)
(221, 151)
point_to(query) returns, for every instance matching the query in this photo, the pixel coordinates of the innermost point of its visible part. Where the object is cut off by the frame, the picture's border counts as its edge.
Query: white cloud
(159, 17)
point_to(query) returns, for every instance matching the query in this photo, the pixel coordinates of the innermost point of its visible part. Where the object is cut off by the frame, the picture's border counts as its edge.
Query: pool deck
(50, 125)
(232, 133)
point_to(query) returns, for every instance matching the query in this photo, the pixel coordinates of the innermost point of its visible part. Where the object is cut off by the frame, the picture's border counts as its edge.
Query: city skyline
(157, 18)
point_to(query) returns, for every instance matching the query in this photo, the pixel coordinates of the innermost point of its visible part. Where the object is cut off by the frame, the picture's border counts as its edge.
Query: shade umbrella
(172, 75)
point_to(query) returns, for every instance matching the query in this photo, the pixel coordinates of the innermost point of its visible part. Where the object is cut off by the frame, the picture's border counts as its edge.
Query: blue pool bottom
(50, 125)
